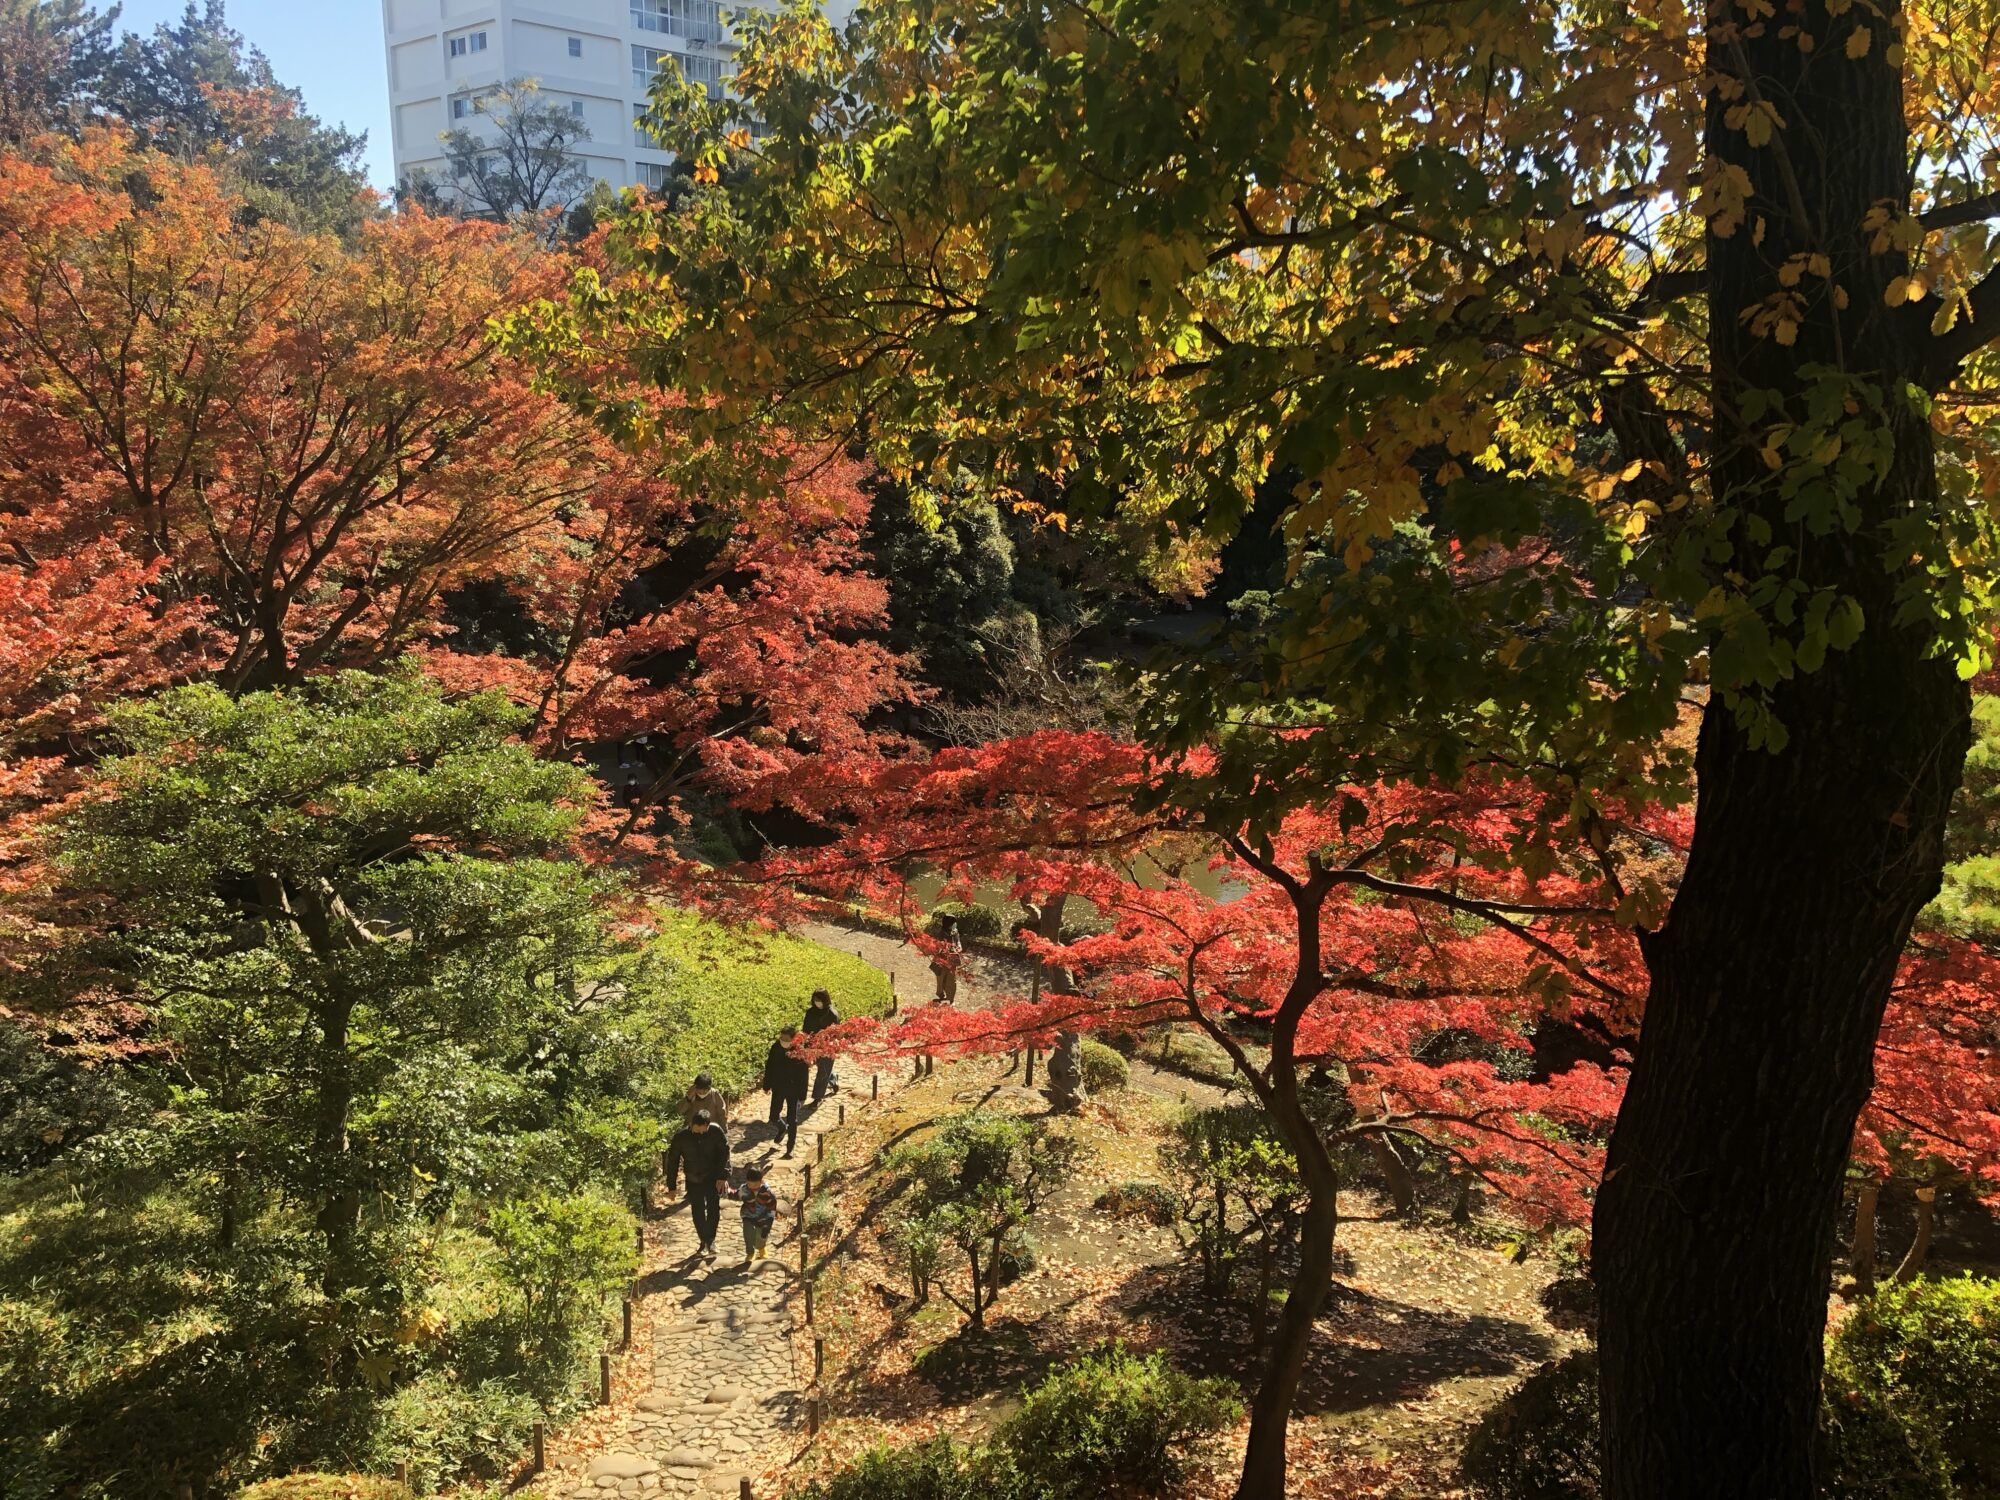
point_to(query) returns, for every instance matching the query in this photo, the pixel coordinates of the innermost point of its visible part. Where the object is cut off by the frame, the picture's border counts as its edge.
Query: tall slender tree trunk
(1395, 1172)
(1716, 1222)
(339, 1217)
(1264, 1454)
(1861, 1259)
(1912, 1263)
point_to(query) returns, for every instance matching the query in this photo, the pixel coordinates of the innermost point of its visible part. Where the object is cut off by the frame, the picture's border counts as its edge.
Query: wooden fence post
(541, 1451)
(874, 1086)
(743, 1489)
(807, 1193)
(402, 1471)
(627, 1343)
(603, 1380)
(819, 1358)
(809, 1304)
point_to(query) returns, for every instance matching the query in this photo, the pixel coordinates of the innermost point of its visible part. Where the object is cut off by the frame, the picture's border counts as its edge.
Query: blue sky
(329, 50)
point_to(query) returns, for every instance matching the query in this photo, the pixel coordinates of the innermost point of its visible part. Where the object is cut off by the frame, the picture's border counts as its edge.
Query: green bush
(1104, 1071)
(443, 1429)
(562, 1254)
(1115, 1417)
(977, 922)
(938, 1469)
(1113, 1421)
(1866, 1453)
(1931, 1351)
(325, 1487)
(730, 992)
(1539, 1442)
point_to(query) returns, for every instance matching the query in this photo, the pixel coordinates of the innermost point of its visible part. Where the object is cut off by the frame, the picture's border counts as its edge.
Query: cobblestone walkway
(727, 1394)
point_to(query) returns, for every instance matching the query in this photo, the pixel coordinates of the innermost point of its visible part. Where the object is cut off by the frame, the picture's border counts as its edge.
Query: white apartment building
(595, 58)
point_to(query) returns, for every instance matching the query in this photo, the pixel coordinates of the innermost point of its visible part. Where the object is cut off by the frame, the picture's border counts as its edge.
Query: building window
(699, 19)
(576, 108)
(478, 41)
(653, 174)
(461, 107)
(458, 46)
(576, 46)
(646, 61)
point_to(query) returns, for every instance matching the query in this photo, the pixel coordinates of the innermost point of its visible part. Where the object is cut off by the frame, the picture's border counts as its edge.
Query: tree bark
(1264, 1454)
(1861, 1259)
(339, 1217)
(1717, 1217)
(1396, 1177)
(1913, 1260)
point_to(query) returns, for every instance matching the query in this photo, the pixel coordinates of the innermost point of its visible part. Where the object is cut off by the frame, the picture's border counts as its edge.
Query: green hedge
(734, 990)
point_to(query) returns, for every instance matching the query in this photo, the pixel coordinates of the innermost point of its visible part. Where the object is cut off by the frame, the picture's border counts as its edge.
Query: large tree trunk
(1716, 1222)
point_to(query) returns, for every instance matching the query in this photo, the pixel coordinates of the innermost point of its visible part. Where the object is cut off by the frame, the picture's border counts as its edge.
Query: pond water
(998, 894)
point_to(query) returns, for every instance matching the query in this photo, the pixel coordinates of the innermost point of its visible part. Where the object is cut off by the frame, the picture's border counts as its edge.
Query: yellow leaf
(1787, 332)
(1790, 272)
(1818, 265)
(1635, 526)
(1757, 129)
(1897, 292)
(1631, 471)
(1858, 41)
(1840, 298)
(1946, 316)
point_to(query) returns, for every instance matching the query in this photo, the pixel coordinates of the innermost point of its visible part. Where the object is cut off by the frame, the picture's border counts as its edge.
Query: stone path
(726, 1395)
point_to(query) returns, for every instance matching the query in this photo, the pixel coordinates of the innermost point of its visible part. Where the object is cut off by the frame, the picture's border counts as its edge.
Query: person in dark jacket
(820, 1014)
(704, 1147)
(785, 1076)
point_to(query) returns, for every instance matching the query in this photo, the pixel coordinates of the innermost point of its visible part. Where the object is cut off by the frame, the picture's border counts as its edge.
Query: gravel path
(726, 1395)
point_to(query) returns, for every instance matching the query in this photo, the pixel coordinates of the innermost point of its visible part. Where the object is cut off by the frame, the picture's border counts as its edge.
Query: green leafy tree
(1235, 1188)
(196, 89)
(1969, 904)
(1634, 362)
(344, 905)
(52, 55)
(563, 1254)
(974, 1185)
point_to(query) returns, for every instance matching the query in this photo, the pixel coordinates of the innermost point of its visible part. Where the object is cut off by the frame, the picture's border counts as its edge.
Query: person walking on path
(820, 1014)
(785, 1076)
(705, 1096)
(944, 965)
(704, 1148)
(760, 1212)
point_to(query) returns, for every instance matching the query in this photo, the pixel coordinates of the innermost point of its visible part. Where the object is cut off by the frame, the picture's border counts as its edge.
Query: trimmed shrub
(1931, 1351)
(977, 922)
(325, 1487)
(1104, 1071)
(1539, 1441)
(1114, 1417)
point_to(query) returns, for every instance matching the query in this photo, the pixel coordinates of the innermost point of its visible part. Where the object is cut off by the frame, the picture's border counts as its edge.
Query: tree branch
(1978, 325)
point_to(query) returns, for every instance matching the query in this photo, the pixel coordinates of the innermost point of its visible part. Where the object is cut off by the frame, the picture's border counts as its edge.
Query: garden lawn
(735, 989)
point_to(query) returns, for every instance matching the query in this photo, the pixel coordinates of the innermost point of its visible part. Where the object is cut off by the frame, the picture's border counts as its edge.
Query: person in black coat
(785, 1076)
(704, 1147)
(820, 1014)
